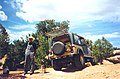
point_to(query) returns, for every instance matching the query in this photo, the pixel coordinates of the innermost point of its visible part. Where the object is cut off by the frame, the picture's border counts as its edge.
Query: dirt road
(106, 71)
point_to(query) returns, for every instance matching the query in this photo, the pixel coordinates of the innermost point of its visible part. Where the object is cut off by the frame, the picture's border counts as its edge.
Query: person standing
(30, 54)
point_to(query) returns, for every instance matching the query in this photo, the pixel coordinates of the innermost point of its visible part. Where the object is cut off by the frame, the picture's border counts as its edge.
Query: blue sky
(92, 19)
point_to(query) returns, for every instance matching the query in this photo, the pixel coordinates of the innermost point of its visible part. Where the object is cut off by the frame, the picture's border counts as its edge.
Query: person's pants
(29, 63)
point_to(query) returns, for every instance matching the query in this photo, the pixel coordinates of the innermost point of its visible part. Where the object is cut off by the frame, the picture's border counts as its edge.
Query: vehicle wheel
(92, 61)
(79, 61)
(56, 66)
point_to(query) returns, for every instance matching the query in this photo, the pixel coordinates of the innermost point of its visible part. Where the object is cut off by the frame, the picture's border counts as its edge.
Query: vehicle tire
(58, 48)
(56, 66)
(79, 61)
(92, 61)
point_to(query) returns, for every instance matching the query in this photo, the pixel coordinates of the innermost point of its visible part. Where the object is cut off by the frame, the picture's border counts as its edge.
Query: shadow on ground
(12, 76)
(72, 69)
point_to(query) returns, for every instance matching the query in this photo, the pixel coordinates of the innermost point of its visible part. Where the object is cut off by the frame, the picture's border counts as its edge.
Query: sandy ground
(105, 71)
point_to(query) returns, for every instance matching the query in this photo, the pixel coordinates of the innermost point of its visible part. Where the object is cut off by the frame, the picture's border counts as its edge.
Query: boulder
(116, 52)
(114, 59)
(106, 62)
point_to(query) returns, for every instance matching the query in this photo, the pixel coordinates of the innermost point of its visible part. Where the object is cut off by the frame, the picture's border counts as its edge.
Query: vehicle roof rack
(57, 32)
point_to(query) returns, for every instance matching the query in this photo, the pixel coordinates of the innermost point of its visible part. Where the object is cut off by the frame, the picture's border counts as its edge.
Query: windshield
(63, 38)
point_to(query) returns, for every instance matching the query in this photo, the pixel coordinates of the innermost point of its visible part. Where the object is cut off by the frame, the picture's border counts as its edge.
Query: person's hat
(31, 37)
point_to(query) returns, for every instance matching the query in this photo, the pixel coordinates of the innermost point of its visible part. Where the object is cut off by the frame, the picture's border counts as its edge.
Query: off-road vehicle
(67, 48)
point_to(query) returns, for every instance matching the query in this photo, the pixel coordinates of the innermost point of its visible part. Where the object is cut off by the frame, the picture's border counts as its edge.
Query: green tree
(41, 51)
(19, 49)
(15, 55)
(102, 49)
(4, 41)
(50, 25)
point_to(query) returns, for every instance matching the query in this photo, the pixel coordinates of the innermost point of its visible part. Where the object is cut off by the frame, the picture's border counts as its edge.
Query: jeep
(67, 48)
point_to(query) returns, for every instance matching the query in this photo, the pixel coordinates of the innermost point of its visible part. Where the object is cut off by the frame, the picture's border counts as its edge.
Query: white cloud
(23, 27)
(3, 16)
(22, 31)
(17, 35)
(73, 10)
(95, 37)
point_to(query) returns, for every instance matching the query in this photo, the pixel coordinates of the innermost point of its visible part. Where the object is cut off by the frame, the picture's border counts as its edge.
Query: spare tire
(58, 48)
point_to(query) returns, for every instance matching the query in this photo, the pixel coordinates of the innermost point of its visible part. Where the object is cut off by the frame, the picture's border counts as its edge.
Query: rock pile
(116, 58)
